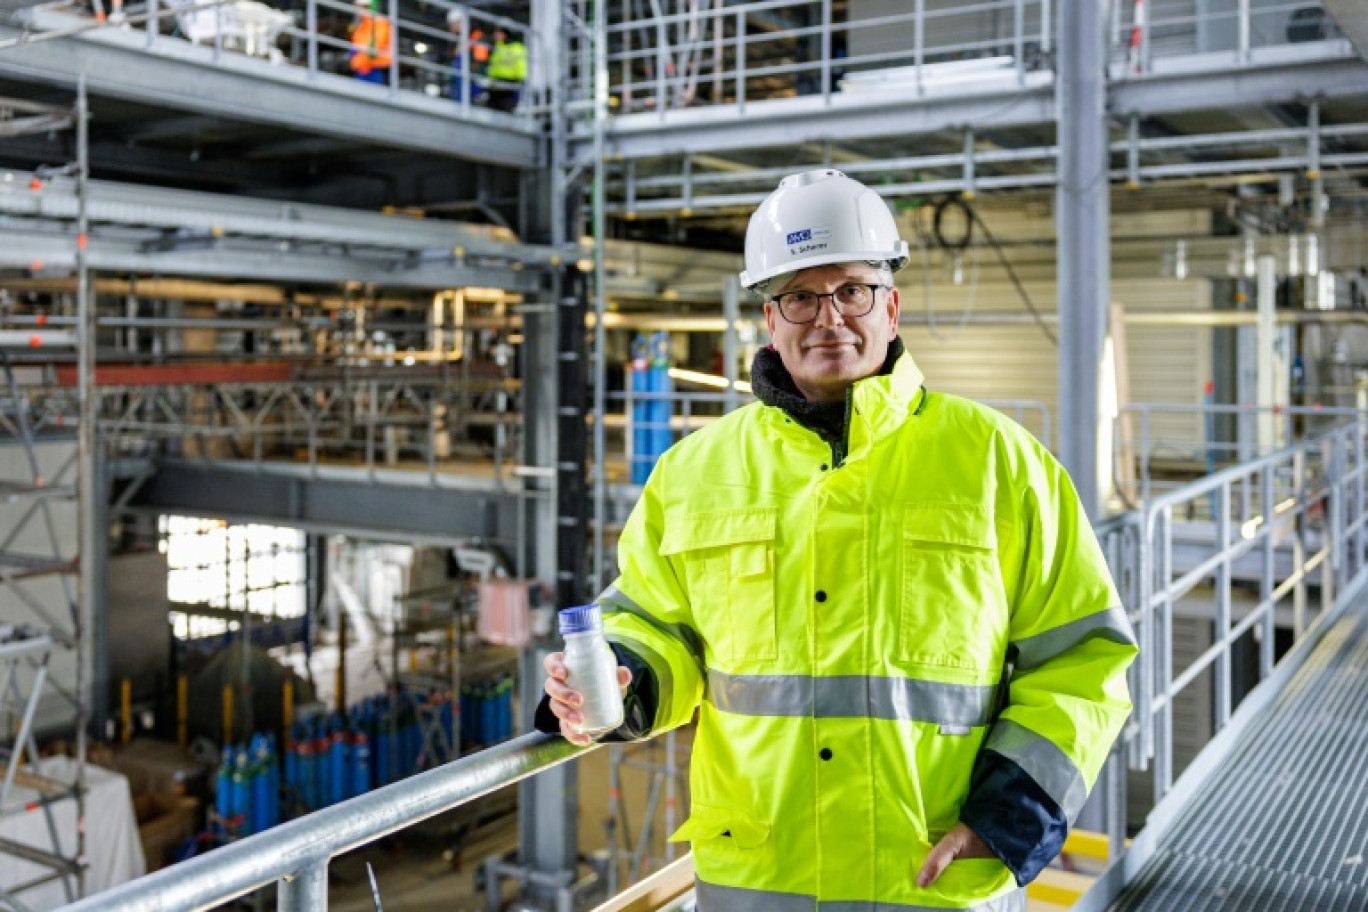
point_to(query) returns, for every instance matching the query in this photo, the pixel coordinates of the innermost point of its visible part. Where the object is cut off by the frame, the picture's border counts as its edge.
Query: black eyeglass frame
(874, 289)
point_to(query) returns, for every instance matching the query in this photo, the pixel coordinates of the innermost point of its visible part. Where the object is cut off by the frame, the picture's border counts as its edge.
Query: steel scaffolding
(32, 421)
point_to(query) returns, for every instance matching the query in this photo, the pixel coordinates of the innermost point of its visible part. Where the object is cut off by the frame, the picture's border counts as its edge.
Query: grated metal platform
(1282, 826)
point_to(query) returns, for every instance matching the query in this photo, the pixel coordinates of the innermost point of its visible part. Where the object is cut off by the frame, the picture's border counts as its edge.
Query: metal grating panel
(1281, 825)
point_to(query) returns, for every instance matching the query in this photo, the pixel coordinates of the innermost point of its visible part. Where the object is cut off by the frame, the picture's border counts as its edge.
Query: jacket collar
(882, 397)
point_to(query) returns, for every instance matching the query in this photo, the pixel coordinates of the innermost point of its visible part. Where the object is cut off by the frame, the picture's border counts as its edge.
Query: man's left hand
(960, 842)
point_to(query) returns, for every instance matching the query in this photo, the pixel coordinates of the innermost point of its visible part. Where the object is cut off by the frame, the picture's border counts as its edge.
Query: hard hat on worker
(815, 218)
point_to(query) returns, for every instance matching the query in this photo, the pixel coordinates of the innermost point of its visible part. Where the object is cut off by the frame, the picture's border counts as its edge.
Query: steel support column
(548, 847)
(1081, 213)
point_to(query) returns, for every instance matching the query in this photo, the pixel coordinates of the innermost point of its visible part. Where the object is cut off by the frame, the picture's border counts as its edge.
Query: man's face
(828, 354)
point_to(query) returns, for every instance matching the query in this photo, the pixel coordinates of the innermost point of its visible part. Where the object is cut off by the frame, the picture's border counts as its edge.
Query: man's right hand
(565, 702)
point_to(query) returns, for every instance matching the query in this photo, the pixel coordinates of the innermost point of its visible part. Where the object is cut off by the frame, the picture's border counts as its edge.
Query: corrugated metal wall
(1168, 364)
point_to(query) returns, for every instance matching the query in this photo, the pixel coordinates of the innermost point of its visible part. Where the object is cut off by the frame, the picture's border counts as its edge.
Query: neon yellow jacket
(508, 62)
(844, 632)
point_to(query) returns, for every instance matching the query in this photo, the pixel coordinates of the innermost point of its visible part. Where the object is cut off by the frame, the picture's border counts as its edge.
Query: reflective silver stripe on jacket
(715, 898)
(852, 696)
(613, 600)
(1043, 761)
(1112, 624)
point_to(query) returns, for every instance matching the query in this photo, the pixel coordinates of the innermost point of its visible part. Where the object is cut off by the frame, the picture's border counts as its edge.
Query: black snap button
(825, 753)
(824, 467)
(821, 595)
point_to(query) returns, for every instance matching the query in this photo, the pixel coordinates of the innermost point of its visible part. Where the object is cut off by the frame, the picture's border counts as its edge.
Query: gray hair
(764, 288)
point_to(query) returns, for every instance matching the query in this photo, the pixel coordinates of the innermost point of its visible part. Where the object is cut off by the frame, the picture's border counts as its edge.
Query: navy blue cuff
(639, 703)
(1014, 816)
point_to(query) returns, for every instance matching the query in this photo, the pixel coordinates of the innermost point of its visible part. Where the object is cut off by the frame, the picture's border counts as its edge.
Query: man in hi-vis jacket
(885, 603)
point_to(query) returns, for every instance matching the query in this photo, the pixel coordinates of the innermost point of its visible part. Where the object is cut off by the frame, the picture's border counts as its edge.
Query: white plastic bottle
(593, 670)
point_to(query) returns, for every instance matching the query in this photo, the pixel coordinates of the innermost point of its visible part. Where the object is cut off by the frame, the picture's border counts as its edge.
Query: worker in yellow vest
(507, 70)
(884, 603)
(372, 47)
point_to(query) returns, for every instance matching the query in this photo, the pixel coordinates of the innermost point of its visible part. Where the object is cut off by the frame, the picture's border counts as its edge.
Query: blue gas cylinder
(339, 778)
(223, 786)
(242, 792)
(260, 779)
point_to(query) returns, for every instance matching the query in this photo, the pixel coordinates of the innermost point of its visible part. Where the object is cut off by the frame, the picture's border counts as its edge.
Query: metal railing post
(661, 62)
(826, 51)
(394, 48)
(1146, 63)
(1019, 38)
(305, 892)
(740, 61)
(1299, 543)
(1223, 579)
(311, 20)
(467, 77)
(919, 41)
(1163, 762)
(1045, 25)
(1266, 575)
(1243, 26)
(218, 30)
(153, 24)
(1144, 703)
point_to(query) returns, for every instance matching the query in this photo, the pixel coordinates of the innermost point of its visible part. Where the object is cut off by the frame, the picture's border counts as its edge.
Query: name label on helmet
(797, 237)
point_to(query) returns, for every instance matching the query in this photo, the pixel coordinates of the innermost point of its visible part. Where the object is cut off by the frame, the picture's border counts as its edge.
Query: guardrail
(1308, 499)
(295, 854)
(441, 49)
(1139, 36)
(735, 53)
(1253, 431)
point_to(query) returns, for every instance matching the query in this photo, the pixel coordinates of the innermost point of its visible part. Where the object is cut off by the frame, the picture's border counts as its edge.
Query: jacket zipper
(839, 448)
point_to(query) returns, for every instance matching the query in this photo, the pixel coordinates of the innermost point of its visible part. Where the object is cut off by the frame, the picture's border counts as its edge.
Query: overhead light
(420, 47)
(702, 379)
(1180, 269)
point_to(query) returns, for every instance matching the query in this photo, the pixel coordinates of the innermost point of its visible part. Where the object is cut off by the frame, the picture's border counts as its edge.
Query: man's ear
(769, 317)
(894, 309)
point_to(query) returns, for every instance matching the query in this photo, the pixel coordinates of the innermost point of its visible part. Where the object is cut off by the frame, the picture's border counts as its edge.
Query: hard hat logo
(855, 226)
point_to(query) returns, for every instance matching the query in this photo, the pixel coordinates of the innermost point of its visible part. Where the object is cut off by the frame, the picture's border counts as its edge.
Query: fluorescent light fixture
(702, 379)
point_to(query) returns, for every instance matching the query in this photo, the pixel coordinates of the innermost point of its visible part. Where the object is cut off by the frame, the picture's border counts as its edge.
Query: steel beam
(1280, 75)
(1272, 83)
(391, 506)
(179, 75)
(1082, 213)
(25, 251)
(792, 122)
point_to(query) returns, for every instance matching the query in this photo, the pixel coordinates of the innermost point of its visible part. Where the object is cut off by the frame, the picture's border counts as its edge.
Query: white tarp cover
(112, 847)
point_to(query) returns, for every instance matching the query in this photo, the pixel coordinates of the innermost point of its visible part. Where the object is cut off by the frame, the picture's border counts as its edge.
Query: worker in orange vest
(371, 40)
(478, 52)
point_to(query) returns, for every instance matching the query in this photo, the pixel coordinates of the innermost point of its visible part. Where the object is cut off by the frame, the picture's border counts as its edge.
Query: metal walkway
(1280, 825)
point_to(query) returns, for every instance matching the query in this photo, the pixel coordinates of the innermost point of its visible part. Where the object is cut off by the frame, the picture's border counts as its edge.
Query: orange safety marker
(42, 319)
(35, 341)
(35, 183)
(82, 240)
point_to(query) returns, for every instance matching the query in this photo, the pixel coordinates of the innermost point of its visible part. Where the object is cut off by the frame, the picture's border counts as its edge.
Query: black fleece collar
(773, 385)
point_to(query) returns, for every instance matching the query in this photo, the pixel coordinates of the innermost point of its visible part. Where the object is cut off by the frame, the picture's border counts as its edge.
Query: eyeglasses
(849, 301)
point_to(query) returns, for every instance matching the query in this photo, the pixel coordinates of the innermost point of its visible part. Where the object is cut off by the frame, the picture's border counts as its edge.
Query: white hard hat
(816, 218)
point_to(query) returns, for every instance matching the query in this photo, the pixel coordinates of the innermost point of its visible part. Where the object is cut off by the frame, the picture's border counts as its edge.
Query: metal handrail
(295, 854)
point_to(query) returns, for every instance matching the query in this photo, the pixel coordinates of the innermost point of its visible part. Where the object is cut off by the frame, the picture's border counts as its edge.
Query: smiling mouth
(829, 345)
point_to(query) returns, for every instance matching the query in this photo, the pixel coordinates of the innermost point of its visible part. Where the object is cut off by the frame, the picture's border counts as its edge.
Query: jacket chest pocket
(954, 608)
(729, 561)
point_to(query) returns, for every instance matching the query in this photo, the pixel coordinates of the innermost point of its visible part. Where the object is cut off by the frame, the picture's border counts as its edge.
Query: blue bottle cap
(584, 619)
